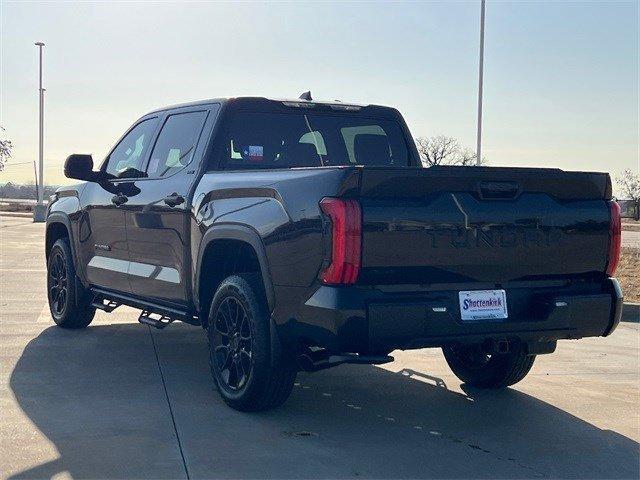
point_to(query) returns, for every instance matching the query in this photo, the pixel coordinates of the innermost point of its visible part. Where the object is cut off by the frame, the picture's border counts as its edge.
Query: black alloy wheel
(249, 375)
(232, 337)
(69, 302)
(58, 283)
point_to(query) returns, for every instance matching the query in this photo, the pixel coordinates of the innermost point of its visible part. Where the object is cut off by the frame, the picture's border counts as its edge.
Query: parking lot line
(166, 394)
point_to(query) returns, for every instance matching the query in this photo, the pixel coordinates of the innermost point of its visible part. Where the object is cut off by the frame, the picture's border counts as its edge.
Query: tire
(239, 347)
(478, 369)
(69, 302)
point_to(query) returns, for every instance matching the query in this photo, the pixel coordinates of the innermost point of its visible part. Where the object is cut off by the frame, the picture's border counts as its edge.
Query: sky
(561, 78)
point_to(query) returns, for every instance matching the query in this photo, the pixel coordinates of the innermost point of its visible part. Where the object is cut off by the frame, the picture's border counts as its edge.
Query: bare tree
(442, 150)
(468, 157)
(5, 150)
(629, 184)
(438, 150)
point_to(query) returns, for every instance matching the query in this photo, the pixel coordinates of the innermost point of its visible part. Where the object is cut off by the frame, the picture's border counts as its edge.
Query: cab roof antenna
(305, 96)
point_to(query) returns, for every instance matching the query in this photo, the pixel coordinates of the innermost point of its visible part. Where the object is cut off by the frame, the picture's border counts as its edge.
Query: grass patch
(628, 273)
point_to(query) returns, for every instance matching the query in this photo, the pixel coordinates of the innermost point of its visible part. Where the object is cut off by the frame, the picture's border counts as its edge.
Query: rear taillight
(346, 239)
(615, 238)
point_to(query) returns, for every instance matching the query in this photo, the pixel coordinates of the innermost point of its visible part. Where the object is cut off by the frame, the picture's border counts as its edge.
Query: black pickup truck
(303, 235)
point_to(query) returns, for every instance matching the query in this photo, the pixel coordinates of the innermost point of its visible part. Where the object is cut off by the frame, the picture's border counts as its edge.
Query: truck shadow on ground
(98, 396)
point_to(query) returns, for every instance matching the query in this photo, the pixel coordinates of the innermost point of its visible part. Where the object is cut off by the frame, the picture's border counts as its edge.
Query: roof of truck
(258, 100)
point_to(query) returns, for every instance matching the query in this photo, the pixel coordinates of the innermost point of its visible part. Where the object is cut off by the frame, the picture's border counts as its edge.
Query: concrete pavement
(630, 239)
(119, 400)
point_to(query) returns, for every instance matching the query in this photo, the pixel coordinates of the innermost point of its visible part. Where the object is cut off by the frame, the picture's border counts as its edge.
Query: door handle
(119, 199)
(498, 190)
(174, 200)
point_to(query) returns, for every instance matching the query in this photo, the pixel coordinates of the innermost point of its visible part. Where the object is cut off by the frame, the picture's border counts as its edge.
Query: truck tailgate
(477, 224)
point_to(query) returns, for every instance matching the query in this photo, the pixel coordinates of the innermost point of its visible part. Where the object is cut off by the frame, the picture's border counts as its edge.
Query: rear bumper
(364, 320)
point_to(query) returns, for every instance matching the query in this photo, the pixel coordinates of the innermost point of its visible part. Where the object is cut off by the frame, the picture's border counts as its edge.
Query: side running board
(104, 304)
(155, 315)
(156, 320)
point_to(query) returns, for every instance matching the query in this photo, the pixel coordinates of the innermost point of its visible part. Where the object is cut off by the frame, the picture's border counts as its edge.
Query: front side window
(277, 140)
(176, 144)
(126, 159)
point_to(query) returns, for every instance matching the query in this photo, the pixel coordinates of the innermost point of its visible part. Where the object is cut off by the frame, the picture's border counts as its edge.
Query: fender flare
(63, 218)
(242, 233)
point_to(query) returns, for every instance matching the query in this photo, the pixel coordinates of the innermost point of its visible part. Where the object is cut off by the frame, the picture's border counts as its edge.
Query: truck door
(102, 232)
(158, 218)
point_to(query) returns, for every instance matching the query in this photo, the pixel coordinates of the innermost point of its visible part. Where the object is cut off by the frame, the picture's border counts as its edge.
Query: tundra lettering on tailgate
(505, 237)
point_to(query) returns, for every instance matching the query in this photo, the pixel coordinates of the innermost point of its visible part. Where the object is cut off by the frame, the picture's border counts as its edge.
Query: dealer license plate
(483, 304)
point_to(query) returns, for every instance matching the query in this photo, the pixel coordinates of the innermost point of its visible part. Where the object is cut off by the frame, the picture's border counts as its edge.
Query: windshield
(276, 140)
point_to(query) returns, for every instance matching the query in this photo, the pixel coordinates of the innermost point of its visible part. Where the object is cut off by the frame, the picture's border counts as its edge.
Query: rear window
(275, 140)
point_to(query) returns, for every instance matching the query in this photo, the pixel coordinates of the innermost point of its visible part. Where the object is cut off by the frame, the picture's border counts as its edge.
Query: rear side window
(350, 134)
(176, 144)
(275, 140)
(315, 139)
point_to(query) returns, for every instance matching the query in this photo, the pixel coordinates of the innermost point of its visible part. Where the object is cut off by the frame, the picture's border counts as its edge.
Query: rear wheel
(69, 302)
(239, 347)
(472, 365)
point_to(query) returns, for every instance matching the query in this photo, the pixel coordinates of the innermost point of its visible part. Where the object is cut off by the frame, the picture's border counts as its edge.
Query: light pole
(40, 210)
(480, 75)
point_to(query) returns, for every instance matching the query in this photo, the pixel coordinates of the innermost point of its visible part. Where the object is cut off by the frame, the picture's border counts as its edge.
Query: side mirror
(80, 167)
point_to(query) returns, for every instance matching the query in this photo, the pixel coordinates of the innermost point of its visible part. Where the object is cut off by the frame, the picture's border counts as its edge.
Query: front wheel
(239, 347)
(69, 303)
(473, 366)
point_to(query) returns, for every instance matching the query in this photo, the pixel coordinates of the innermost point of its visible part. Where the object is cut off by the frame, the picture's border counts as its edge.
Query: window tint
(274, 140)
(176, 144)
(349, 135)
(126, 159)
(314, 138)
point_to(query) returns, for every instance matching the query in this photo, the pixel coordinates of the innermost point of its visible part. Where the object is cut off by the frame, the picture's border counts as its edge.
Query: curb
(17, 214)
(631, 313)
